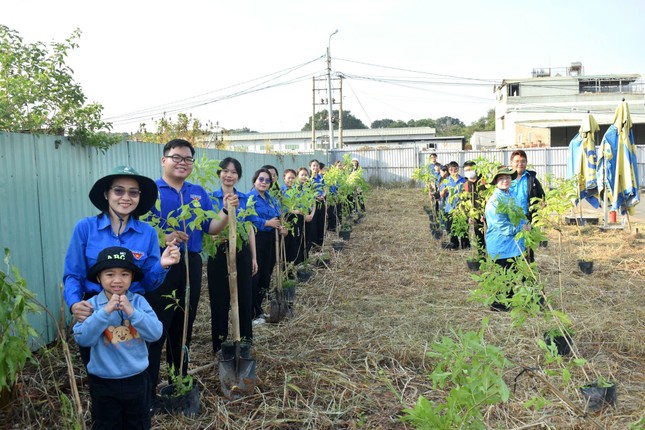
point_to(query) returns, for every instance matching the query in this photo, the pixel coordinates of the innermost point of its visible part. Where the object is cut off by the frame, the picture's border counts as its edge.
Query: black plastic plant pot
(446, 245)
(597, 397)
(559, 341)
(437, 234)
(473, 265)
(289, 293)
(345, 234)
(338, 246)
(544, 243)
(586, 267)
(187, 404)
(303, 275)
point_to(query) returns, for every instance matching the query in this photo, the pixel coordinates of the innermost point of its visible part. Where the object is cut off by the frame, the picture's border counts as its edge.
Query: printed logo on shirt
(138, 254)
(195, 197)
(122, 333)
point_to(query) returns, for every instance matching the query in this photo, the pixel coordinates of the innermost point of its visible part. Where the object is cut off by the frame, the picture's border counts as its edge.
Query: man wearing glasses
(174, 192)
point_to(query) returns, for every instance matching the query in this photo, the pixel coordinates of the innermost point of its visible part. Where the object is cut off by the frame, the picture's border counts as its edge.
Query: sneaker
(259, 321)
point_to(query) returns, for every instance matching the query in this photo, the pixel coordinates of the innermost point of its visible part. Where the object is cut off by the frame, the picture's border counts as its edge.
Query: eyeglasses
(176, 158)
(133, 193)
(264, 180)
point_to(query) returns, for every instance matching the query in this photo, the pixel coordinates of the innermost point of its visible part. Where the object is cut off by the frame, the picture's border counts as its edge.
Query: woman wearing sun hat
(122, 197)
(500, 232)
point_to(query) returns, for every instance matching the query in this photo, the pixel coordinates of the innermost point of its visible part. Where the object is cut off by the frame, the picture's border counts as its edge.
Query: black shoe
(499, 307)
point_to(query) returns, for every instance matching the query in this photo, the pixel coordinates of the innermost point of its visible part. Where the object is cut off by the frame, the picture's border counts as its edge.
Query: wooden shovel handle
(232, 273)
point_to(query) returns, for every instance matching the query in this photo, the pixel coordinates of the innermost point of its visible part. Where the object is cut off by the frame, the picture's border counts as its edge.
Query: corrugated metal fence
(44, 189)
(397, 164)
(45, 182)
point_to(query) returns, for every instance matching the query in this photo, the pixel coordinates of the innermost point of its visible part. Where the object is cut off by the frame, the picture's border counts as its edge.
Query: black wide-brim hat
(147, 186)
(115, 257)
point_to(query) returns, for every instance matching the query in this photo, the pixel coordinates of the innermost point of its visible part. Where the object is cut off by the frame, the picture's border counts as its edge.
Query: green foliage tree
(321, 121)
(16, 303)
(184, 127)
(38, 93)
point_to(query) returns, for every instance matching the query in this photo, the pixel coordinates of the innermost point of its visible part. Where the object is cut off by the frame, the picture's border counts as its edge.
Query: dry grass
(353, 356)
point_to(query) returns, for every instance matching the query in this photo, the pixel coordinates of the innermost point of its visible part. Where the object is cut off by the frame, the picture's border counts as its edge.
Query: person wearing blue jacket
(118, 333)
(122, 197)
(449, 190)
(501, 245)
(317, 226)
(266, 221)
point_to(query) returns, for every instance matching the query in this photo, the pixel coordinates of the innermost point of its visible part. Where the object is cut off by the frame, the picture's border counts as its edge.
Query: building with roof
(422, 138)
(547, 108)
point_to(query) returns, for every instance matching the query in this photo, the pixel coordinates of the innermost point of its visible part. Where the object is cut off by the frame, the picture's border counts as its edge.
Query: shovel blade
(278, 311)
(240, 382)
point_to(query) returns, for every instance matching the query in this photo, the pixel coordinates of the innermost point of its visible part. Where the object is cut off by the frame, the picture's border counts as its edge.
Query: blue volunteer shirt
(500, 231)
(93, 234)
(266, 208)
(318, 185)
(454, 187)
(171, 200)
(217, 198)
(520, 191)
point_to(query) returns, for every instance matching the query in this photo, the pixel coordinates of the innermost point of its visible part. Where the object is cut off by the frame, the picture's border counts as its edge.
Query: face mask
(471, 174)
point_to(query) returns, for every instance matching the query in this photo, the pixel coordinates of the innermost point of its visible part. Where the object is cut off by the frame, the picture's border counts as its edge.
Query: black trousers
(120, 403)
(480, 238)
(172, 317)
(455, 241)
(220, 297)
(318, 235)
(332, 218)
(293, 240)
(265, 256)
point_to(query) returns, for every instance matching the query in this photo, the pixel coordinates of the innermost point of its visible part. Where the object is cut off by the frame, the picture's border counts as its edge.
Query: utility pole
(340, 114)
(330, 101)
(313, 116)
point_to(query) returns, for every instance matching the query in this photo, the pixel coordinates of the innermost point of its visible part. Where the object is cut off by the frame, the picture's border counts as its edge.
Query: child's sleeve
(88, 332)
(145, 320)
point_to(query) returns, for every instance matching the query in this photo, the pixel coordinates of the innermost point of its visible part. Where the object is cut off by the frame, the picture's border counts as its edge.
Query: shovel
(279, 306)
(237, 366)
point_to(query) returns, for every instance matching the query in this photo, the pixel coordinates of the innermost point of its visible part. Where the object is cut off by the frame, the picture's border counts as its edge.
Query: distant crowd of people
(494, 233)
(126, 290)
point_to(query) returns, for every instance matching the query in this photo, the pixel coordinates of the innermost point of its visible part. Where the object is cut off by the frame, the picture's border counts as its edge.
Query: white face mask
(471, 174)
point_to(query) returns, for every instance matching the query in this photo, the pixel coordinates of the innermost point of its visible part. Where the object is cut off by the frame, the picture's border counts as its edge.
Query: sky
(251, 63)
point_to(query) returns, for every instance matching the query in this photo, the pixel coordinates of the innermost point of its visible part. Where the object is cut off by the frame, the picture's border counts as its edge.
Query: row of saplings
(470, 368)
(344, 190)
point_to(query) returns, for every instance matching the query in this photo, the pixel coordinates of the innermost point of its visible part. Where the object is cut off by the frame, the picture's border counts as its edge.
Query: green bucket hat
(504, 171)
(147, 186)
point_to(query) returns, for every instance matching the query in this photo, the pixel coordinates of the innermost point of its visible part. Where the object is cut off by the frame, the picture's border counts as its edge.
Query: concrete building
(482, 140)
(547, 108)
(422, 138)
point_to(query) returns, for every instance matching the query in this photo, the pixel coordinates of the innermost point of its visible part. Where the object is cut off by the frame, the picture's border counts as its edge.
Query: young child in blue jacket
(117, 332)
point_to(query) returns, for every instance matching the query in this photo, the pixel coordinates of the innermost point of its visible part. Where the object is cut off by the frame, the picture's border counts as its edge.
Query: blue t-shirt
(266, 208)
(454, 187)
(93, 234)
(500, 232)
(520, 190)
(171, 201)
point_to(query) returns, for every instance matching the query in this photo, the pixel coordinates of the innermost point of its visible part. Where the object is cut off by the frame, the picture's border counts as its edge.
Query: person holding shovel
(169, 300)
(217, 269)
(303, 186)
(266, 221)
(122, 197)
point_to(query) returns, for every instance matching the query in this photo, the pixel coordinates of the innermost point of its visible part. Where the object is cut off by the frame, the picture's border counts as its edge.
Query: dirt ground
(353, 356)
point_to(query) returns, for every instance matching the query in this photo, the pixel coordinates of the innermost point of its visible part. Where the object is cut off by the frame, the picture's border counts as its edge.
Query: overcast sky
(403, 59)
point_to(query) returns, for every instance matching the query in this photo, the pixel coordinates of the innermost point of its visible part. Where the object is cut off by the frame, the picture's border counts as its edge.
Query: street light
(331, 102)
